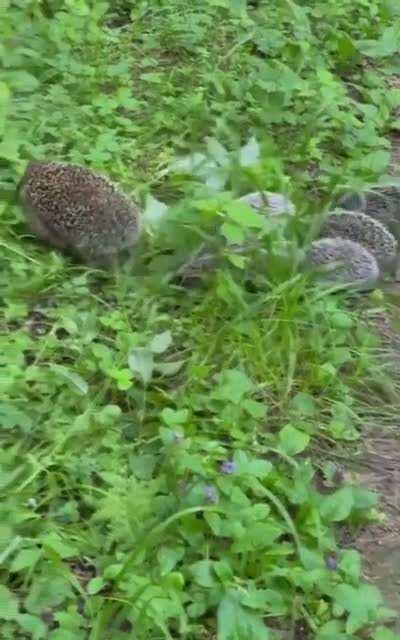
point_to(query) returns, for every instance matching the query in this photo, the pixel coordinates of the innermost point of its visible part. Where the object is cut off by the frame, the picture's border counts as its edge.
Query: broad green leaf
(174, 580)
(161, 342)
(23, 81)
(386, 45)
(342, 320)
(257, 536)
(292, 441)
(237, 261)
(33, 625)
(95, 585)
(244, 215)
(304, 404)
(350, 564)
(143, 465)
(364, 499)
(337, 506)
(267, 601)
(169, 368)
(250, 153)
(70, 619)
(202, 573)
(141, 362)
(233, 233)
(11, 417)
(9, 146)
(47, 591)
(333, 630)
(26, 559)
(257, 410)
(237, 623)
(233, 386)
(173, 418)
(361, 603)
(76, 381)
(123, 378)
(8, 604)
(168, 558)
(376, 161)
(79, 7)
(63, 549)
(257, 468)
(109, 414)
(311, 559)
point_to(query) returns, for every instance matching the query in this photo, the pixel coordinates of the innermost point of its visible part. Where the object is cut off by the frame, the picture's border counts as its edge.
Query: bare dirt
(380, 543)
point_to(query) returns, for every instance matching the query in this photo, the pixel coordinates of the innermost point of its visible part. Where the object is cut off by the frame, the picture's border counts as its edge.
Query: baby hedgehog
(352, 202)
(274, 203)
(344, 262)
(361, 228)
(73, 209)
(381, 203)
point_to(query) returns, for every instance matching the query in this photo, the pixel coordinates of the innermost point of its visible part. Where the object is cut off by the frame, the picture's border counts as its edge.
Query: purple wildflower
(210, 493)
(178, 437)
(228, 467)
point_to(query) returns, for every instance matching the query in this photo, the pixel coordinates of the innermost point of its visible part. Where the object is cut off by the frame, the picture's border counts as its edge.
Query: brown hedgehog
(75, 210)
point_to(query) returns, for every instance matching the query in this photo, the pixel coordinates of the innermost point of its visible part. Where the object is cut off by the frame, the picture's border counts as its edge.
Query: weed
(157, 468)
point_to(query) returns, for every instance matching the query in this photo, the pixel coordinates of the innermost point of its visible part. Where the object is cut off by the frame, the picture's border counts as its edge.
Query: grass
(161, 445)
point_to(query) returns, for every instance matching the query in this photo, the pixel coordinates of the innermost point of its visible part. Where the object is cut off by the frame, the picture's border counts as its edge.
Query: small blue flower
(178, 437)
(228, 466)
(210, 493)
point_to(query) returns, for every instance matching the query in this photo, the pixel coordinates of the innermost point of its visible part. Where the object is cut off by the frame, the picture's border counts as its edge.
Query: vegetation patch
(166, 464)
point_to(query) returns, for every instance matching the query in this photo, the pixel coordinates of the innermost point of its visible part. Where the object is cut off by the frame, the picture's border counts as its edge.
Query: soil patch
(380, 543)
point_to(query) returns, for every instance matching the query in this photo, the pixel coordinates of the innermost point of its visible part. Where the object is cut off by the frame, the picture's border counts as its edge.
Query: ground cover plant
(165, 460)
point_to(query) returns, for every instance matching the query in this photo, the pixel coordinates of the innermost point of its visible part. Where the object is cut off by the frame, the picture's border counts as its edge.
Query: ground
(380, 543)
(158, 461)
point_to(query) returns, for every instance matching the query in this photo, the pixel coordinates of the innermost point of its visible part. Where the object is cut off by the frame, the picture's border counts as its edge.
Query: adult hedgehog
(73, 209)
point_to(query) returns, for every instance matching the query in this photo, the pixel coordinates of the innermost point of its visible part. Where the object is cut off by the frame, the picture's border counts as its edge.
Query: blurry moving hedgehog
(361, 228)
(344, 262)
(381, 203)
(73, 209)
